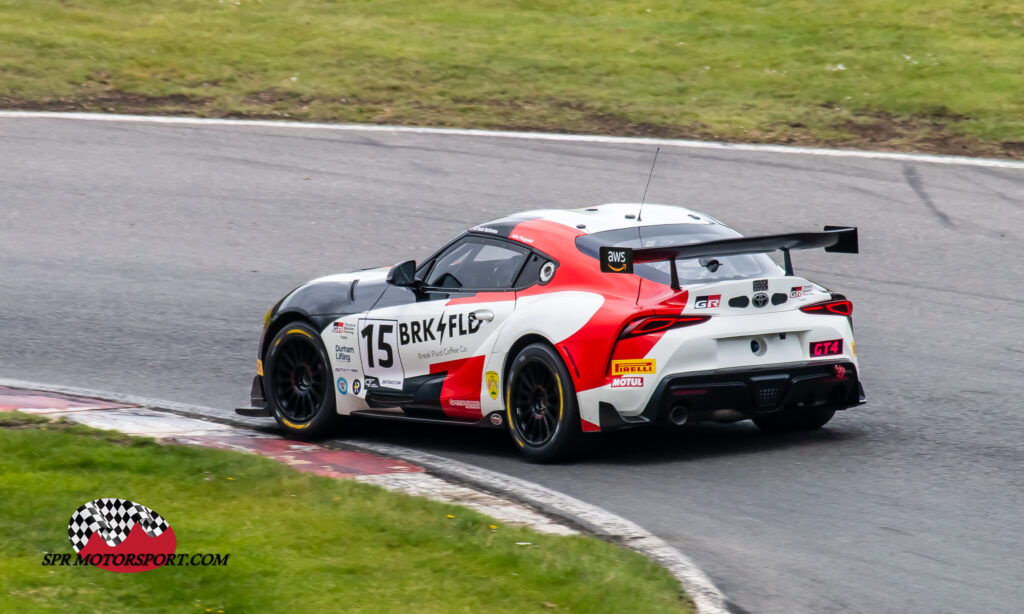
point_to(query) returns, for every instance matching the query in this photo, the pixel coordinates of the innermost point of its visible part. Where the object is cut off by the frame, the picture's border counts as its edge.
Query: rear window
(745, 266)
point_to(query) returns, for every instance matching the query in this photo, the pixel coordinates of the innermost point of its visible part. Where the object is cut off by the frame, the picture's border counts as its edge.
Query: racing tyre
(299, 383)
(540, 401)
(794, 420)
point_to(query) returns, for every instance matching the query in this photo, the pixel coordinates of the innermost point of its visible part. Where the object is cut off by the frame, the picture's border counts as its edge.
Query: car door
(427, 354)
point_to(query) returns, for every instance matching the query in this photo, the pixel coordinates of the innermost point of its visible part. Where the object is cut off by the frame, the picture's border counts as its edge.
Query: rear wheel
(298, 381)
(794, 419)
(543, 416)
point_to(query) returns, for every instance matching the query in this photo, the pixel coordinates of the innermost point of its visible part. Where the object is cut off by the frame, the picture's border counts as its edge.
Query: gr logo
(616, 260)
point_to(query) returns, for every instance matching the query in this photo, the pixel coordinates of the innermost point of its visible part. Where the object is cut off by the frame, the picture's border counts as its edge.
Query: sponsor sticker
(487, 229)
(760, 299)
(497, 419)
(707, 302)
(631, 367)
(492, 384)
(449, 325)
(343, 329)
(356, 386)
(826, 348)
(799, 291)
(342, 385)
(464, 403)
(628, 382)
(519, 237)
(616, 259)
(343, 352)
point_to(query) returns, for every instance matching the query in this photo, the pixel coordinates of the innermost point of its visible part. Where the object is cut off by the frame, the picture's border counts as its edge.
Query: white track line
(606, 525)
(534, 136)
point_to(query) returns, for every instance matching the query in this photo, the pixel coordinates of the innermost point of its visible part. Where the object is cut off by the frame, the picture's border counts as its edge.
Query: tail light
(833, 308)
(657, 324)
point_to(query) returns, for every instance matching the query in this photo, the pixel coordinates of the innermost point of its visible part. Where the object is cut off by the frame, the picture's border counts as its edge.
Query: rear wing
(839, 239)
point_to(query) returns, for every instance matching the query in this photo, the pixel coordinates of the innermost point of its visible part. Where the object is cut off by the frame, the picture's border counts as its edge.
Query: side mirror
(403, 274)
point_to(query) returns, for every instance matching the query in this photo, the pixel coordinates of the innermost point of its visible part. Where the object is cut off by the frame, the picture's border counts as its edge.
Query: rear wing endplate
(839, 239)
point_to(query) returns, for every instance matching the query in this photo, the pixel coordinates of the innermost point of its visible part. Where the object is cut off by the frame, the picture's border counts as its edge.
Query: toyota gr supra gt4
(557, 323)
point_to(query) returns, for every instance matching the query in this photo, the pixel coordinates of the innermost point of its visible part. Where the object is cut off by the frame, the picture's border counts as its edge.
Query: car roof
(599, 218)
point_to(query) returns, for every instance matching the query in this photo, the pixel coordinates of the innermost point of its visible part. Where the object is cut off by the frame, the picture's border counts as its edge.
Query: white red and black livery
(557, 323)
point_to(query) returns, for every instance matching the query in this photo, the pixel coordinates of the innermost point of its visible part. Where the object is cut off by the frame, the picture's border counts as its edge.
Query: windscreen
(691, 271)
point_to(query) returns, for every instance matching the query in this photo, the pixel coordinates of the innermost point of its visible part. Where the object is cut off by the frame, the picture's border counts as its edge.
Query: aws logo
(616, 259)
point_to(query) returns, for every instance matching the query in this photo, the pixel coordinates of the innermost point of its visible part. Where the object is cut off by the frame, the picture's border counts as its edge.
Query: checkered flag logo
(114, 519)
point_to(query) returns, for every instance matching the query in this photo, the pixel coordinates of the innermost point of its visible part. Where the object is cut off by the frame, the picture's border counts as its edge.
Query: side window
(477, 263)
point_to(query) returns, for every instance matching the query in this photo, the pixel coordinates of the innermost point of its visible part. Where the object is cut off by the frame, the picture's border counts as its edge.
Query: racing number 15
(379, 352)
(385, 335)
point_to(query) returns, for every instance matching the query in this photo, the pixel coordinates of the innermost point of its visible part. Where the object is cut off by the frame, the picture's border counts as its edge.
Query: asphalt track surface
(141, 258)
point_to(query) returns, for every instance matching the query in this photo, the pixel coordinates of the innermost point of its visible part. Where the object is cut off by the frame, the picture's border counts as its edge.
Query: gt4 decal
(628, 382)
(616, 259)
(378, 350)
(827, 348)
(707, 302)
(631, 367)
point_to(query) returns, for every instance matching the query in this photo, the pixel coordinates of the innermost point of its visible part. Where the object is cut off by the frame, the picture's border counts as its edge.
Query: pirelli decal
(633, 367)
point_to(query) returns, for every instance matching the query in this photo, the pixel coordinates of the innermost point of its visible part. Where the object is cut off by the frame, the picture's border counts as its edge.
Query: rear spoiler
(839, 239)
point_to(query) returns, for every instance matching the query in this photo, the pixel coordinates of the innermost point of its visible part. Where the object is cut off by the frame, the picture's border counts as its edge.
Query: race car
(557, 323)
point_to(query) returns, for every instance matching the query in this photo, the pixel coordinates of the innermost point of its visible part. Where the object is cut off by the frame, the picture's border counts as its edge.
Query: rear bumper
(749, 391)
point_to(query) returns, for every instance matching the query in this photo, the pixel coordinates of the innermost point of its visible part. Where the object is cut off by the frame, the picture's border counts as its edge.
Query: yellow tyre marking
(561, 401)
(299, 331)
(508, 412)
(292, 425)
(259, 368)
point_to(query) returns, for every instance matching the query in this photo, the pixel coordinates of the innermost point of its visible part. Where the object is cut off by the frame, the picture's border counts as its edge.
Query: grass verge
(945, 77)
(297, 542)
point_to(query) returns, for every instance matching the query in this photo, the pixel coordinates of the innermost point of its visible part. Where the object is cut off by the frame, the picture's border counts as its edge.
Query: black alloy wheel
(298, 381)
(543, 417)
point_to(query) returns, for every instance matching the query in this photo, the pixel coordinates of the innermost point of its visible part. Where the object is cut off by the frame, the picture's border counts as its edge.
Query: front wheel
(794, 419)
(543, 416)
(298, 381)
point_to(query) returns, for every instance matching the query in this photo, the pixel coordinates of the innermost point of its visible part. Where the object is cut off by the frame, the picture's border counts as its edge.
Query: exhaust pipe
(678, 415)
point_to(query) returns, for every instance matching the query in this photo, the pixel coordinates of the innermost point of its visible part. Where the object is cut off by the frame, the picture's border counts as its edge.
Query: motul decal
(629, 367)
(628, 382)
(707, 302)
(436, 329)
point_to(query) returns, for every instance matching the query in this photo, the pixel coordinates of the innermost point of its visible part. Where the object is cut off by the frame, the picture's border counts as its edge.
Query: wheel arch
(280, 321)
(527, 340)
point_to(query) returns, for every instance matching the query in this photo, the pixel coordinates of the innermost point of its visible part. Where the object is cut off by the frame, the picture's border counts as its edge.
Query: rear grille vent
(768, 396)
